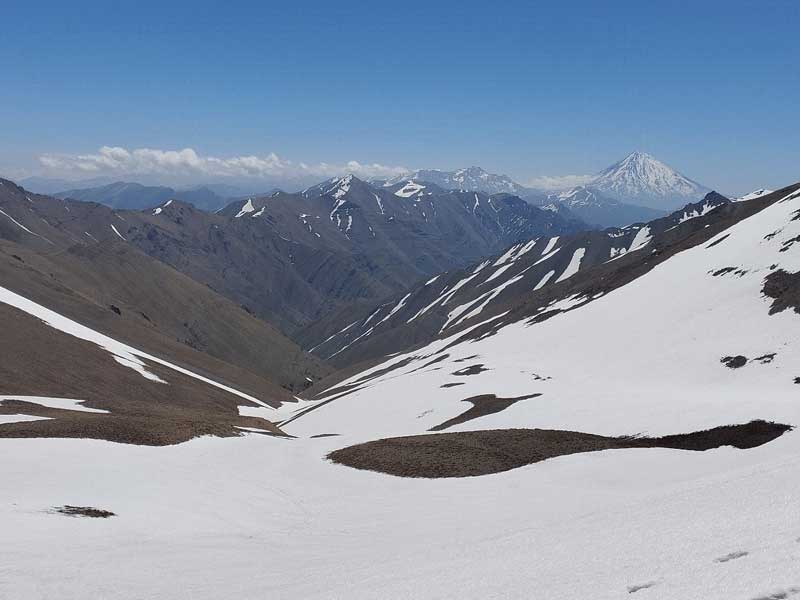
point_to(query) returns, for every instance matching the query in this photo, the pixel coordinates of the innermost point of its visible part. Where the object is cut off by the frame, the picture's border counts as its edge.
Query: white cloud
(114, 160)
(557, 183)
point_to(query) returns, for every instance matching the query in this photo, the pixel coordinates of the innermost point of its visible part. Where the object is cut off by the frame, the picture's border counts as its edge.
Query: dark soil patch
(784, 289)
(324, 435)
(486, 404)
(766, 358)
(466, 358)
(726, 270)
(84, 511)
(449, 385)
(734, 362)
(471, 453)
(789, 243)
(719, 241)
(438, 359)
(471, 370)
(797, 379)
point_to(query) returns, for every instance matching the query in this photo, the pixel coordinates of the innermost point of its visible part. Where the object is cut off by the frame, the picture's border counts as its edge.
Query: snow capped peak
(636, 155)
(641, 179)
(338, 187)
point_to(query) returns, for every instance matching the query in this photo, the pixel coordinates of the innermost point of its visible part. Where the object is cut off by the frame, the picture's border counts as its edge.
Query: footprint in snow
(779, 594)
(632, 589)
(731, 556)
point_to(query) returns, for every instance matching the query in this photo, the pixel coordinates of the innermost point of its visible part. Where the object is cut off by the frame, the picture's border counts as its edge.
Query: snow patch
(59, 403)
(247, 208)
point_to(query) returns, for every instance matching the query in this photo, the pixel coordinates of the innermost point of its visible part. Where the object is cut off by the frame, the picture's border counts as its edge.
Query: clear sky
(523, 88)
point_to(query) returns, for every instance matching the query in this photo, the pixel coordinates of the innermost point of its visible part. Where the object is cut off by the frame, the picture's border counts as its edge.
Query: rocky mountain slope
(78, 258)
(354, 242)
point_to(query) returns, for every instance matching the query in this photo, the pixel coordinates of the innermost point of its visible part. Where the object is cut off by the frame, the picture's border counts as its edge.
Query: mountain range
(341, 243)
(637, 188)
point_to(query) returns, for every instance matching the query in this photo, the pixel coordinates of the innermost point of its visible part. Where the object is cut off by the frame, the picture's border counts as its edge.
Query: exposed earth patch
(471, 453)
(784, 288)
(734, 362)
(471, 370)
(84, 511)
(486, 404)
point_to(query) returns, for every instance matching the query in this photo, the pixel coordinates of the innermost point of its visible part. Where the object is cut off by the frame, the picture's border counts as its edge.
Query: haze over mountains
(138, 196)
(636, 188)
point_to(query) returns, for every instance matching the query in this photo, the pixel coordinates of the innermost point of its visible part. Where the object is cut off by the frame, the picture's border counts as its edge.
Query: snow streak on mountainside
(642, 179)
(459, 297)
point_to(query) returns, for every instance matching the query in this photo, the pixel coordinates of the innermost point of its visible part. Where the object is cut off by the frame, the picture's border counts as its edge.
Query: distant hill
(135, 196)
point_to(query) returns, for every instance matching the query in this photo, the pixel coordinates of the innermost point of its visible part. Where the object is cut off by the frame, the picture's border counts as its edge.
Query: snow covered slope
(643, 180)
(626, 347)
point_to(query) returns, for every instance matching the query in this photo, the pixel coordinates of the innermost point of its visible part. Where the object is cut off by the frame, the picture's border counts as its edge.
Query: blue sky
(524, 88)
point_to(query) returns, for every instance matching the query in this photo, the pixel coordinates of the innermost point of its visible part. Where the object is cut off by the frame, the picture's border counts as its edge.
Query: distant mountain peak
(338, 187)
(642, 179)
